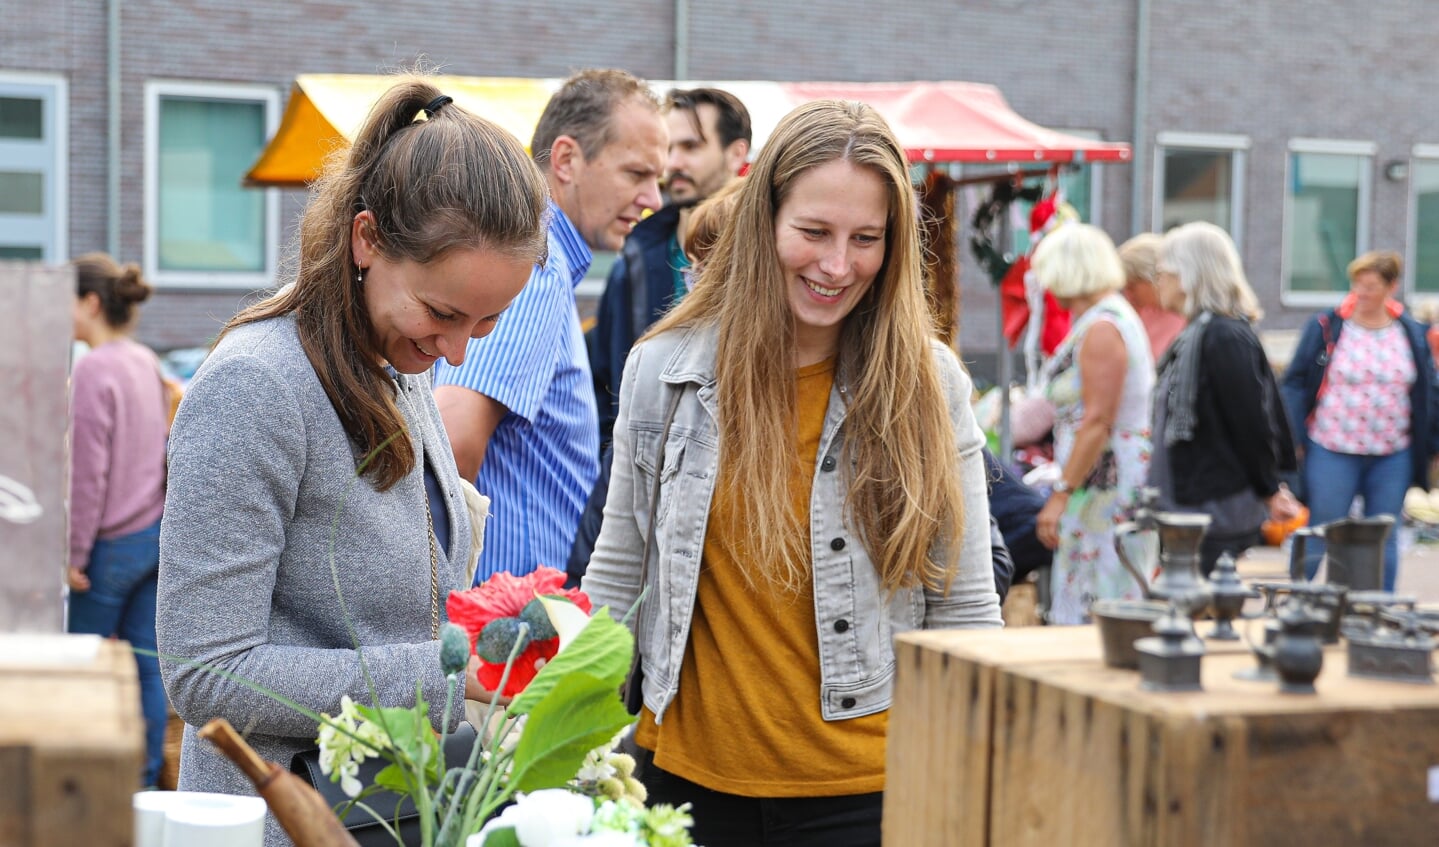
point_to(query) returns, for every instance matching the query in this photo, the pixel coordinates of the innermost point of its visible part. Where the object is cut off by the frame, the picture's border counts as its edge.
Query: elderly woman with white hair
(1099, 380)
(1221, 439)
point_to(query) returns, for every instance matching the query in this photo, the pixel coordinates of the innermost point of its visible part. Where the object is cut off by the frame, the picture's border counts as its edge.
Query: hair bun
(131, 286)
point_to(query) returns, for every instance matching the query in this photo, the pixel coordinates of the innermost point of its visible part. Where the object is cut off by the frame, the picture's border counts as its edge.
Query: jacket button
(837, 544)
(847, 703)
(841, 625)
(827, 464)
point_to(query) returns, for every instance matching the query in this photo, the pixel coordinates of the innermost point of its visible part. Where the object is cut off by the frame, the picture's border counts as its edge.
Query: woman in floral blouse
(1360, 391)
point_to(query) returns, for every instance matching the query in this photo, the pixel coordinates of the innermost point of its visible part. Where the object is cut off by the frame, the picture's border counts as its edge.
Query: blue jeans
(1332, 481)
(121, 602)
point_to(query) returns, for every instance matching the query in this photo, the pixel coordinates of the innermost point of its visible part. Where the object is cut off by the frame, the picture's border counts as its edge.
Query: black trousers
(728, 820)
(1210, 549)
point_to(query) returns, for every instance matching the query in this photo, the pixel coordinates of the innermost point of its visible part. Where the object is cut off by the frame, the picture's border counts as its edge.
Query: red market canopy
(962, 122)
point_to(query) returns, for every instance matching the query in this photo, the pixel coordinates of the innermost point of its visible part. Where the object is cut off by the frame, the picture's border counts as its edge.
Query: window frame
(57, 118)
(1427, 154)
(155, 90)
(1362, 224)
(1237, 146)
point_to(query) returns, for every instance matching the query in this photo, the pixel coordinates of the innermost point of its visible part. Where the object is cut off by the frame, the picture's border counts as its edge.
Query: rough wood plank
(71, 749)
(943, 720)
(1082, 757)
(36, 325)
(937, 763)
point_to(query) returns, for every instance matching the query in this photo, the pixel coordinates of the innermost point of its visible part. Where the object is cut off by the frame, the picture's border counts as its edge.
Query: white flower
(607, 838)
(547, 818)
(596, 766)
(567, 618)
(345, 741)
(617, 817)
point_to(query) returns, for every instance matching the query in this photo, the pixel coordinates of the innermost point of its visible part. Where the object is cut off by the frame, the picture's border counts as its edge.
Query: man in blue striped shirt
(520, 410)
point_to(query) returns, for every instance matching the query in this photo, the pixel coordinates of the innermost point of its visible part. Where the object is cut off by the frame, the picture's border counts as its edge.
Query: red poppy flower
(505, 596)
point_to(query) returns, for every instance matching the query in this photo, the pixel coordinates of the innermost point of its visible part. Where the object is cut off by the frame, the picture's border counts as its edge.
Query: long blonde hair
(454, 180)
(904, 493)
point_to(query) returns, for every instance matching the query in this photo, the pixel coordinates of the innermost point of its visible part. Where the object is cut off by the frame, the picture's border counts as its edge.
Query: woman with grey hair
(1221, 440)
(1099, 381)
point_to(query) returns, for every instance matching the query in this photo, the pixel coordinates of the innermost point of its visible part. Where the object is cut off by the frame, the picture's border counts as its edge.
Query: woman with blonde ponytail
(796, 455)
(313, 495)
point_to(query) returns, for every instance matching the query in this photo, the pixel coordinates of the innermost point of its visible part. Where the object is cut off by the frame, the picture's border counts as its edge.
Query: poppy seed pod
(454, 649)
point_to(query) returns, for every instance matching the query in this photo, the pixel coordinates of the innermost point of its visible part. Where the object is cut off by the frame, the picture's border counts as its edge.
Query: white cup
(150, 809)
(198, 819)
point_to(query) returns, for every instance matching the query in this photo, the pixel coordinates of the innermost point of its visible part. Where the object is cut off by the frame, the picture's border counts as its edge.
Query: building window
(1424, 240)
(33, 165)
(202, 225)
(1199, 177)
(1326, 213)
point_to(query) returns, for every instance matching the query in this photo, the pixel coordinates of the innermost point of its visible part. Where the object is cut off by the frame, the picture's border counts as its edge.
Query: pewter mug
(1354, 551)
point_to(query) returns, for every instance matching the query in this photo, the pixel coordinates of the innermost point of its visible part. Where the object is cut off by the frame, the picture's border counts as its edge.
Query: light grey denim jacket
(855, 617)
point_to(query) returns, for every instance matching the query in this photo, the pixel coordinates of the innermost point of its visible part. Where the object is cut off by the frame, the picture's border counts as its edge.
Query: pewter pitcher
(1180, 534)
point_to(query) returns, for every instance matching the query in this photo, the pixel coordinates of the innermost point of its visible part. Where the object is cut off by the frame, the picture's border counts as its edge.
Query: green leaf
(580, 713)
(502, 837)
(412, 737)
(392, 778)
(602, 649)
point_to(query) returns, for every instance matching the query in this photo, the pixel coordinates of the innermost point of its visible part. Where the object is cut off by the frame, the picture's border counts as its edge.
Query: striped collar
(577, 254)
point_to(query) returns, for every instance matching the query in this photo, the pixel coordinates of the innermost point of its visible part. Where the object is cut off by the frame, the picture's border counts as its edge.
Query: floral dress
(1086, 565)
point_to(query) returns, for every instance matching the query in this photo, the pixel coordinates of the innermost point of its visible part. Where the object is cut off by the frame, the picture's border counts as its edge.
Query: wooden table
(72, 745)
(1023, 737)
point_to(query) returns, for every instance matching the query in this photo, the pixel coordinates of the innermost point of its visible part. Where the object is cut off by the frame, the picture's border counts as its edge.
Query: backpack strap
(1327, 326)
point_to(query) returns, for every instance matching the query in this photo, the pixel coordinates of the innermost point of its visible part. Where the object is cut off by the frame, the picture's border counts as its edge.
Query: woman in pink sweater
(120, 412)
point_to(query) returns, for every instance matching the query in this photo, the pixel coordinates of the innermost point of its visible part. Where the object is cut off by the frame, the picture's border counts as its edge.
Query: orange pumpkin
(1275, 533)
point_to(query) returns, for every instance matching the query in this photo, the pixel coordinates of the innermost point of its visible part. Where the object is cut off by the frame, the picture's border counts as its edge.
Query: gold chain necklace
(429, 532)
(434, 572)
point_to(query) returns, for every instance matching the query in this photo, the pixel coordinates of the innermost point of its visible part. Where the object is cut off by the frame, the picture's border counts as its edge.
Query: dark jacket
(640, 289)
(1241, 435)
(1014, 507)
(1311, 359)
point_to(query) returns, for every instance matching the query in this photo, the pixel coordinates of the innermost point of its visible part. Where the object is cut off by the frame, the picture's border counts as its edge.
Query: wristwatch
(1060, 487)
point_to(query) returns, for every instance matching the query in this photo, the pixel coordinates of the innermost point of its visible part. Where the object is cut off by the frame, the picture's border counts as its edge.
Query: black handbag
(634, 683)
(362, 826)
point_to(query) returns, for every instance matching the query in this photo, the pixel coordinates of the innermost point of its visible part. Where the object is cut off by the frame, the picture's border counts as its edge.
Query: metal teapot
(1298, 652)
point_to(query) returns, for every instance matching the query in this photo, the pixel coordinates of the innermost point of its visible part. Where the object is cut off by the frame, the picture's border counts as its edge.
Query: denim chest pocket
(647, 450)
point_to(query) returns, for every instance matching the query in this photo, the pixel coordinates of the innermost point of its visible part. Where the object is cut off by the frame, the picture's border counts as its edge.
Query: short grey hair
(1076, 260)
(1210, 273)
(584, 108)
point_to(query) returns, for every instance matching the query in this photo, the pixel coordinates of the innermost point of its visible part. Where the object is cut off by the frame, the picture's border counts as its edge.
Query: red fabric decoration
(505, 596)
(1013, 304)
(1056, 325)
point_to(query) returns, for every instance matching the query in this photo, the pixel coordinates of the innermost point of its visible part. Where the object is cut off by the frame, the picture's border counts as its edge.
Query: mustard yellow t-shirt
(747, 717)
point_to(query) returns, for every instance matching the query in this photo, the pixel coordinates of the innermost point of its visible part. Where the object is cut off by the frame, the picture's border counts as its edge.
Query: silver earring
(360, 275)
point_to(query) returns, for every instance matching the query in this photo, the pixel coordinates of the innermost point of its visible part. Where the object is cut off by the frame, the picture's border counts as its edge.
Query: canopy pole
(1005, 366)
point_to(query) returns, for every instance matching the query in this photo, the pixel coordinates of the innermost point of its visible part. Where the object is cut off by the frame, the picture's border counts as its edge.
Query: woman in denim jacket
(798, 459)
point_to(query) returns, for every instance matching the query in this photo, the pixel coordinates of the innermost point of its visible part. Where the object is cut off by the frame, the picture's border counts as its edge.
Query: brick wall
(1222, 66)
